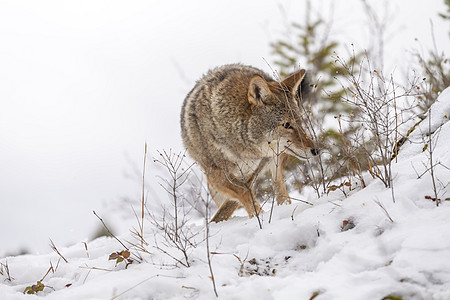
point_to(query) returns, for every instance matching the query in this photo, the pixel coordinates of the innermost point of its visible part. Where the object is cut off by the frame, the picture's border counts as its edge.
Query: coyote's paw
(225, 211)
(283, 198)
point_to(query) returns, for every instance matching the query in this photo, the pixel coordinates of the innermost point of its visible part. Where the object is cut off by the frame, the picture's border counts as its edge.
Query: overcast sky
(83, 85)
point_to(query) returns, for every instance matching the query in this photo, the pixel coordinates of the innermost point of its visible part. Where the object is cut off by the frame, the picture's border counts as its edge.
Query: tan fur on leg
(225, 211)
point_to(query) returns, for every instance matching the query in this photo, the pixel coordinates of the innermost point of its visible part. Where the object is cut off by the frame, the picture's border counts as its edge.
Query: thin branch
(107, 229)
(52, 245)
(208, 254)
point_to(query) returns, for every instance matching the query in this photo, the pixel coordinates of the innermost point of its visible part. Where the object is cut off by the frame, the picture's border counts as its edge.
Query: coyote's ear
(258, 90)
(294, 80)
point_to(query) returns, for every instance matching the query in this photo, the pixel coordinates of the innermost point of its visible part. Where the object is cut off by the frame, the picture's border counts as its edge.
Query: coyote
(236, 121)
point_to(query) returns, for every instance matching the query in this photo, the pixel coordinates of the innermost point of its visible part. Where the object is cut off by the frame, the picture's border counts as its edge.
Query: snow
(402, 250)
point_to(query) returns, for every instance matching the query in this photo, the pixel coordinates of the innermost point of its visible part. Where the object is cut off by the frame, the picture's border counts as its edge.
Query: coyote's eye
(287, 125)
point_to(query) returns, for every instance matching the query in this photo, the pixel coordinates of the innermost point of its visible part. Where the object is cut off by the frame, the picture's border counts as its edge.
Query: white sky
(83, 84)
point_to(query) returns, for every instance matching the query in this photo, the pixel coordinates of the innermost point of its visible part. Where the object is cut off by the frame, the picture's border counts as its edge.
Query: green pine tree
(309, 47)
(436, 70)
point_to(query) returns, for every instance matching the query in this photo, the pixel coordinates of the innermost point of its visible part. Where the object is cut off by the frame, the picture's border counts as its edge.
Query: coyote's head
(278, 112)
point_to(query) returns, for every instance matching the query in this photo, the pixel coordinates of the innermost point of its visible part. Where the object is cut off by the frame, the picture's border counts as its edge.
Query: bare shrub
(383, 113)
(172, 224)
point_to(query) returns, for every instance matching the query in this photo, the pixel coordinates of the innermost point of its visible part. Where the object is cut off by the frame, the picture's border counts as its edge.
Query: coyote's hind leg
(225, 193)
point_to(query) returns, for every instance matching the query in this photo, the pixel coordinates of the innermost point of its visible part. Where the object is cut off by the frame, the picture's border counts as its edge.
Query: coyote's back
(236, 121)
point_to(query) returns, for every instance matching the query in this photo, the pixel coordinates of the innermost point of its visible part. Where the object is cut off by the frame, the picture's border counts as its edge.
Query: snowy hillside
(362, 246)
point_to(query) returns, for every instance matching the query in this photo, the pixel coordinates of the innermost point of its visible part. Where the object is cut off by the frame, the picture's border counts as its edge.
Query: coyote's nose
(315, 151)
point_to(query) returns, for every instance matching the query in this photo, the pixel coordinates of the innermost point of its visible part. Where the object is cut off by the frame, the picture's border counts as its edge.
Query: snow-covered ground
(362, 246)
(83, 84)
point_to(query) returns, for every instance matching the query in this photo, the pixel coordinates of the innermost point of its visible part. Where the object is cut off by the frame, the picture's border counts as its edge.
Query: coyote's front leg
(276, 168)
